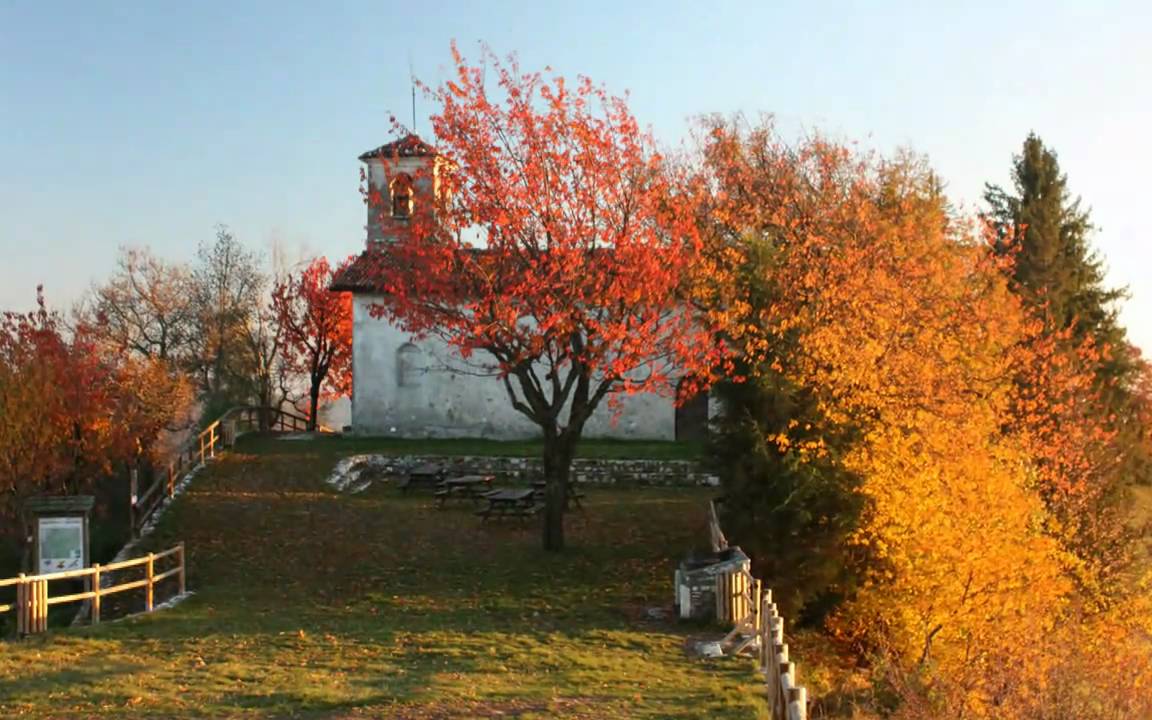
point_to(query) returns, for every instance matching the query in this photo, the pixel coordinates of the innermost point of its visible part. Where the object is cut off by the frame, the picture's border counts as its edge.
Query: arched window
(401, 191)
(409, 365)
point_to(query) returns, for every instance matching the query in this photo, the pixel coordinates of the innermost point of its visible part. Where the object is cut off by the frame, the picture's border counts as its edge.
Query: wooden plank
(125, 586)
(149, 593)
(62, 575)
(741, 605)
(733, 597)
(21, 606)
(170, 551)
(60, 599)
(182, 572)
(798, 703)
(42, 605)
(95, 593)
(132, 562)
(167, 574)
(756, 604)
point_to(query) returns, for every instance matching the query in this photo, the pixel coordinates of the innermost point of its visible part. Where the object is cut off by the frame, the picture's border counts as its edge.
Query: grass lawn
(336, 447)
(315, 605)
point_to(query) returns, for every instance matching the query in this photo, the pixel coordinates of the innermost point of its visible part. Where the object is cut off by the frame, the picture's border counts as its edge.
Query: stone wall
(592, 471)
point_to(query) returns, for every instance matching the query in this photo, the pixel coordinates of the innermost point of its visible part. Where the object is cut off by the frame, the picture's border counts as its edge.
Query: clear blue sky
(148, 122)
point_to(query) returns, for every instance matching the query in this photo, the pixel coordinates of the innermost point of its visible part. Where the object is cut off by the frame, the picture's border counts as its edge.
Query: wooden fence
(33, 596)
(742, 600)
(220, 434)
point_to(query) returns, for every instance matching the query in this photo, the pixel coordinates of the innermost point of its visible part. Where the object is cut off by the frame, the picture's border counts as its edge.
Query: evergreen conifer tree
(1057, 272)
(1048, 231)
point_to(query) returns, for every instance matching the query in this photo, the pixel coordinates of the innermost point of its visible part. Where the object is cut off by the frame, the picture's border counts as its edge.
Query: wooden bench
(427, 475)
(466, 487)
(510, 503)
(573, 500)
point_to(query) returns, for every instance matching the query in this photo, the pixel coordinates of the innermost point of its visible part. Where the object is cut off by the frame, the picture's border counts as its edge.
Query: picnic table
(572, 501)
(510, 503)
(426, 475)
(468, 487)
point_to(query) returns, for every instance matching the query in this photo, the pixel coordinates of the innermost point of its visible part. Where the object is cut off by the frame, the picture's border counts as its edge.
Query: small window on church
(409, 366)
(401, 190)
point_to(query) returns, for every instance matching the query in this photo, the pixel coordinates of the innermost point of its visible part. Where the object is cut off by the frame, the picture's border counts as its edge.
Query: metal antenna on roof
(412, 81)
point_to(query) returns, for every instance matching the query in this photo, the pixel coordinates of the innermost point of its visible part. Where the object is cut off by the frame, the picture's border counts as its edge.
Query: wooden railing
(742, 600)
(33, 597)
(217, 436)
(787, 700)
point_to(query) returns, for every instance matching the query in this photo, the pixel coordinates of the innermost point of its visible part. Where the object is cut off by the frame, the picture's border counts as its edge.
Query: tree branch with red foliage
(577, 294)
(317, 326)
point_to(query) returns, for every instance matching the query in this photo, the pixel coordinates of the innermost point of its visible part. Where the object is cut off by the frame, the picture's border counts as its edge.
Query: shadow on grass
(309, 602)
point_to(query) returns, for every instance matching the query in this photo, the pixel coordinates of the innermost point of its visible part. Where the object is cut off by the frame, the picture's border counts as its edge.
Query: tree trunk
(558, 451)
(314, 406)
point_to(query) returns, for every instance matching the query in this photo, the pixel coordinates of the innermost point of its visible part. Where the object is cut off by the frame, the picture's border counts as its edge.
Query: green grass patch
(317, 605)
(336, 446)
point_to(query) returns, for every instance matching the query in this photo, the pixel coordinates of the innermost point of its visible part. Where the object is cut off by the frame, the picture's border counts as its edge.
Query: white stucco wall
(441, 402)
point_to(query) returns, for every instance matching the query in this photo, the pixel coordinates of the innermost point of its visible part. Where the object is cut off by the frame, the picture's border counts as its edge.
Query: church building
(404, 386)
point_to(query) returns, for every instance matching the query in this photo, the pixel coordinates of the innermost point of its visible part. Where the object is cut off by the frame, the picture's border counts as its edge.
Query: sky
(147, 123)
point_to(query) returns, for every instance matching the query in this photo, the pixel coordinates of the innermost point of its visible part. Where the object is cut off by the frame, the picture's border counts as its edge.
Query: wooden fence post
(756, 605)
(96, 593)
(21, 606)
(149, 594)
(42, 607)
(171, 480)
(32, 602)
(798, 703)
(182, 568)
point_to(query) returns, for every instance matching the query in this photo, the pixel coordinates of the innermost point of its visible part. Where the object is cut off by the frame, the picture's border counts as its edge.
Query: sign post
(60, 533)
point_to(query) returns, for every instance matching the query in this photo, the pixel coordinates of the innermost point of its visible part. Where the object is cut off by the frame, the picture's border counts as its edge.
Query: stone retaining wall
(593, 471)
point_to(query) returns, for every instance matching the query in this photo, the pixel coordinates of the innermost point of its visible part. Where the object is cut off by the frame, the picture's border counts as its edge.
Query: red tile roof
(364, 273)
(407, 146)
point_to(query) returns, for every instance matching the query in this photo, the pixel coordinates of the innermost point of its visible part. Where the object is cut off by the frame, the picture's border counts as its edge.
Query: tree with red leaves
(576, 295)
(317, 327)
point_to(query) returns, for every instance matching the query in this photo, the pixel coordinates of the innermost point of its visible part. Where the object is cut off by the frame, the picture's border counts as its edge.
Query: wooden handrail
(33, 598)
(203, 447)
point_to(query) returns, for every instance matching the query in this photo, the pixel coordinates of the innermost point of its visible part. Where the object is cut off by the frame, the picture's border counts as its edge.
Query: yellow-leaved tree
(882, 309)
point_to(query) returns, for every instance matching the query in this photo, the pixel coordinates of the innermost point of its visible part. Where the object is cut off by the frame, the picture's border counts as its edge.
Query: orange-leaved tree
(880, 310)
(317, 327)
(574, 295)
(71, 409)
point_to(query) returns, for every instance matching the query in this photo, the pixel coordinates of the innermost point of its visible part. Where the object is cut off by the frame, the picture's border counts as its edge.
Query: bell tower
(401, 182)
